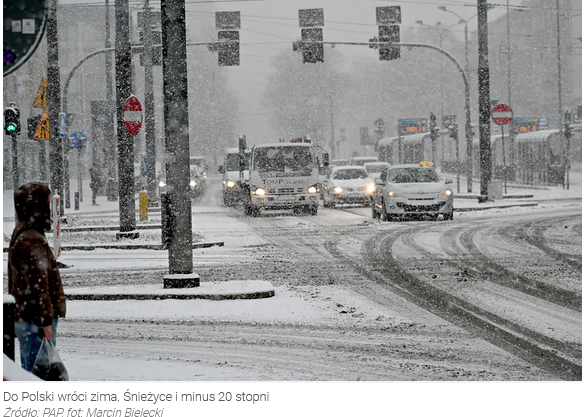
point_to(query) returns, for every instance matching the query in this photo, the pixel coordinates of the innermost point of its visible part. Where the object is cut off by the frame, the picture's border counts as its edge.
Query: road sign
(24, 25)
(77, 140)
(62, 124)
(412, 126)
(41, 99)
(42, 132)
(132, 115)
(144, 165)
(502, 114)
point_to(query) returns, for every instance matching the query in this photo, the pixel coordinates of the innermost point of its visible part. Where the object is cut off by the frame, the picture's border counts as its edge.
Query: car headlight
(260, 192)
(338, 190)
(312, 189)
(445, 193)
(161, 184)
(192, 183)
(230, 184)
(370, 188)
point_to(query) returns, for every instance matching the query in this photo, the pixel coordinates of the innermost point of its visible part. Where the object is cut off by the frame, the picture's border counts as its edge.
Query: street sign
(62, 124)
(412, 126)
(42, 132)
(311, 18)
(77, 140)
(132, 115)
(388, 15)
(41, 98)
(144, 165)
(228, 20)
(24, 25)
(502, 114)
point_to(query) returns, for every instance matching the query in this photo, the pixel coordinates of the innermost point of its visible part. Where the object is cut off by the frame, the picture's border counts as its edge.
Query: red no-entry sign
(132, 115)
(502, 114)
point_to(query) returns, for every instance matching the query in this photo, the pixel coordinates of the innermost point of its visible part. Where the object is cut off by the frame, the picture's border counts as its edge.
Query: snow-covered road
(493, 295)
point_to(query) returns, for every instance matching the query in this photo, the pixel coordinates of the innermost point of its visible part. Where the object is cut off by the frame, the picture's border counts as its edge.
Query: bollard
(143, 206)
(76, 200)
(166, 221)
(8, 324)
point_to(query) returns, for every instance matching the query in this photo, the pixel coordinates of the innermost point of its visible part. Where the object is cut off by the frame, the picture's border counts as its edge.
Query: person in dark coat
(94, 184)
(33, 275)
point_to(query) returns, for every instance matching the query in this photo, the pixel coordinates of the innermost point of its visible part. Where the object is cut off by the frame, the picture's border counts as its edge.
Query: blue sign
(77, 140)
(144, 165)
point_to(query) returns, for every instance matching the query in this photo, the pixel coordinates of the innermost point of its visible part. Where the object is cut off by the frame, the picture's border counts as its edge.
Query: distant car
(340, 162)
(362, 160)
(197, 183)
(348, 184)
(230, 170)
(412, 190)
(376, 168)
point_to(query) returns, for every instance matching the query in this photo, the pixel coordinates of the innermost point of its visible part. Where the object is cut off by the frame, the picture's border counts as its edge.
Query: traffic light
(453, 131)
(389, 34)
(312, 52)
(567, 125)
(433, 128)
(32, 124)
(229, 53)
(12, 121)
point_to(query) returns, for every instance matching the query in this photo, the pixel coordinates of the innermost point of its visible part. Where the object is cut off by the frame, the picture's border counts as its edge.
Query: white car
(348, 184)
(412, 190)
(376, 168)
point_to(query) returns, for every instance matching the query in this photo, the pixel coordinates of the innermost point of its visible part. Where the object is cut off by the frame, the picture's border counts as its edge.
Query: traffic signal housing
(12, 121)
(313, 51)
(229, 52)
(389, 34)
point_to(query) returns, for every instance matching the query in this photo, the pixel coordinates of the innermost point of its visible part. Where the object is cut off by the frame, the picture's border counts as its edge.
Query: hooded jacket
(33, 276)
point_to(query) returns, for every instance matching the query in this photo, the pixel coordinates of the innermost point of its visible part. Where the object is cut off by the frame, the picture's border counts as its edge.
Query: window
(284, 159)
(411, 175)
(350, 174)
(232, 162)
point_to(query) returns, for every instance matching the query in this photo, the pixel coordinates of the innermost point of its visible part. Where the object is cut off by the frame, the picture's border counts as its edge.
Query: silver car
(412, 190)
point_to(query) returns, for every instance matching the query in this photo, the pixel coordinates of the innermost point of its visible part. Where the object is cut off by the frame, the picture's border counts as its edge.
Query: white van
(231, 182)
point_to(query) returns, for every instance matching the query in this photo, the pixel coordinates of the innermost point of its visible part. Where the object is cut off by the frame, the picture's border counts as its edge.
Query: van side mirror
(448, 181)
(379, 181)
(221, 169)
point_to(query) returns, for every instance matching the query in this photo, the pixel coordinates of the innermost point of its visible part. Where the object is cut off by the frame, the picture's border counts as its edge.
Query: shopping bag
(48, 365)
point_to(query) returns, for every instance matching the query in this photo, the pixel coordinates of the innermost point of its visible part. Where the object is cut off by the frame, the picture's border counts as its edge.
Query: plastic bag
(48, 364)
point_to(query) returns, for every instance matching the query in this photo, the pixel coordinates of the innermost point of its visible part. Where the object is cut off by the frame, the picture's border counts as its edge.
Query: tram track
(560, 358)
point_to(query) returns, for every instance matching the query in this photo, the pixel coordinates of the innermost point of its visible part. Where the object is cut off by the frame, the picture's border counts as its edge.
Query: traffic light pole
(468, 129)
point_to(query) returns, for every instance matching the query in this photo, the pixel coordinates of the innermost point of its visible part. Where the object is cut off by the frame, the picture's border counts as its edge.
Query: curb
(107, 228)
(215, 297)
(136, 246)
(462, 209)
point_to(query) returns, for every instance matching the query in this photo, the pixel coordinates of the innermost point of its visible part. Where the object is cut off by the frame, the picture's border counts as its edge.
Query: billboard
(526, 124)
(412, 126)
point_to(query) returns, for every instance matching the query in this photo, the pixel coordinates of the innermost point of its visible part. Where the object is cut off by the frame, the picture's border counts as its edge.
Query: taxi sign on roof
(426, 164)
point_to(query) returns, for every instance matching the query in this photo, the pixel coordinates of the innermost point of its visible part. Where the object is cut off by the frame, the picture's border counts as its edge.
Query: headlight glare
(338, 190)
(391, 193)
(445, 193)
(230, 184)
(370, 188)
(161, 184)
(260, 192)
(312, 190)
(192, 183)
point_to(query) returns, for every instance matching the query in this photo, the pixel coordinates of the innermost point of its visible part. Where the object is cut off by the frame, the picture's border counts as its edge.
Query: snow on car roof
(347, 167)
(281, 144)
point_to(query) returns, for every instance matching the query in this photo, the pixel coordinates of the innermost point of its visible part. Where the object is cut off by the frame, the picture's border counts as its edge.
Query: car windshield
(232, 162)
(407, 175)
(374, 168)
(350, 174)
(284, 159)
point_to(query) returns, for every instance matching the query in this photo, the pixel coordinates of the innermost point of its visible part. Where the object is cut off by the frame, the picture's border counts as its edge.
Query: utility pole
(484, 101)
(54, 104)
(560, 94)
(109, 144)
(332, 141)
(126, 201)
(150, 145)
(177, 148)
